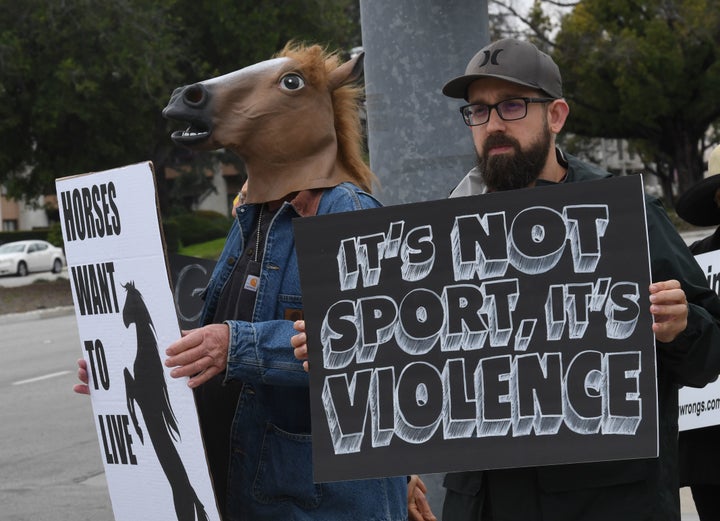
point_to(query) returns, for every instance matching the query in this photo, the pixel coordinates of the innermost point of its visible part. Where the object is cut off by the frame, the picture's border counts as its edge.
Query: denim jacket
(270, 475)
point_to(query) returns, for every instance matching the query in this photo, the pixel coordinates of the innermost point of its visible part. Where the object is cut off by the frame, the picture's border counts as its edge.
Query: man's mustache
(497, 140)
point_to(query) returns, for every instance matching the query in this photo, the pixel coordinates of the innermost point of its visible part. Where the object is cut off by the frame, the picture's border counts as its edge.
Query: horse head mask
(294, 121)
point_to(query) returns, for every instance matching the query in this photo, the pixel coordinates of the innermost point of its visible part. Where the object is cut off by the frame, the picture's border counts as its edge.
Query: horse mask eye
(292, 82)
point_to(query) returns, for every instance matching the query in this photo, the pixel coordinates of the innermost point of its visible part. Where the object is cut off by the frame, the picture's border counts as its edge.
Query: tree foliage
(224, 35)
(80, 83)
(643, 71)
(647, 71)
(83, 82)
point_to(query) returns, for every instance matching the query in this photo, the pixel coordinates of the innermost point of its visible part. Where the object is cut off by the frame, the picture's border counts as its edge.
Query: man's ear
(557, 114)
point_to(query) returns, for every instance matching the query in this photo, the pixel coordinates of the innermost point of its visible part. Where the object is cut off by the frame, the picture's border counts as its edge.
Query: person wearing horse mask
(294, 121)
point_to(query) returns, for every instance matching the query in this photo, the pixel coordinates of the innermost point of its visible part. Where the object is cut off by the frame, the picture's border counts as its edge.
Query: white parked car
(23, 257)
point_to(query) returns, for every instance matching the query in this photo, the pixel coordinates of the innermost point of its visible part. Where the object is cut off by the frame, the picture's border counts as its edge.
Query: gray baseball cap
(511, 60)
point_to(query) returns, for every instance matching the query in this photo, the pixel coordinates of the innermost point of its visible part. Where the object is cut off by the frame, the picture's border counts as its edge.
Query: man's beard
(513, 170)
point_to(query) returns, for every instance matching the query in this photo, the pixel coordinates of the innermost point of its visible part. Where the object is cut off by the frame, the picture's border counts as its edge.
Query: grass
(205, 250)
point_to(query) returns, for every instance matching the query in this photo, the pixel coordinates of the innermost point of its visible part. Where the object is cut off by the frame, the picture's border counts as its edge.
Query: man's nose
(495, 122)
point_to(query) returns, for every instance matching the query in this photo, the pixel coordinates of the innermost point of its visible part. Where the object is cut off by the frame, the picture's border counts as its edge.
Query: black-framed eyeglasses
(508, 110)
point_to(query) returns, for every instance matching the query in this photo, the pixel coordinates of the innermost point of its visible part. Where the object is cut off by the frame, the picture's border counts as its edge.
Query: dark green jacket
(633, 490)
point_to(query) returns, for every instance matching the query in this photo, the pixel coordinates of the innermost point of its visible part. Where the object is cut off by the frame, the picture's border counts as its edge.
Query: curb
(12, 318)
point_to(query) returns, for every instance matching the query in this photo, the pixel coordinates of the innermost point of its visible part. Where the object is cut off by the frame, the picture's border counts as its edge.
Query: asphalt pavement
(49, 453)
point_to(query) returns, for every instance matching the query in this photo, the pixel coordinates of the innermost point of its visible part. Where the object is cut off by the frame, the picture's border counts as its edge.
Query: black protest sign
(190, 276)
(502, 330)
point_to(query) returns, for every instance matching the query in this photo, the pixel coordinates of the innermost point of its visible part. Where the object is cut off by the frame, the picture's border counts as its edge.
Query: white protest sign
(146, 421)
(700, 407)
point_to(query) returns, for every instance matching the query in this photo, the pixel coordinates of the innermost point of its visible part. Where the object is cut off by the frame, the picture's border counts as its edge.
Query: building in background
(226, 180)
(21, 215)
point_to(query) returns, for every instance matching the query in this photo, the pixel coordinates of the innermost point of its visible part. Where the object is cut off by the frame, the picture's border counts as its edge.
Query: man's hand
(299, 343)
(669, 308)
(200, 353)
(82, 388)
(418, 506)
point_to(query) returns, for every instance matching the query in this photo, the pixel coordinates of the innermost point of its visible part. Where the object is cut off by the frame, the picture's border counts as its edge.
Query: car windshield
(12, 248)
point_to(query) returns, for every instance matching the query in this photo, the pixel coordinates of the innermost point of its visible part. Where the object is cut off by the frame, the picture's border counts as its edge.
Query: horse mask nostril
(195, 95)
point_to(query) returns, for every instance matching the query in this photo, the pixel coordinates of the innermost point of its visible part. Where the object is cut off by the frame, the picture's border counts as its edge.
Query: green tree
(224, 35)
(647, 71)
(83, 82)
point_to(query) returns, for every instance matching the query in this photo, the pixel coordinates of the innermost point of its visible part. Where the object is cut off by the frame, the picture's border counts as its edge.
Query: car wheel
(22, 270)
(57, 266)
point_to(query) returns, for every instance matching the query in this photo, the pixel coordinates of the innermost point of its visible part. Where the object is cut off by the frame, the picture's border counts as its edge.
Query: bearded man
(515, 111)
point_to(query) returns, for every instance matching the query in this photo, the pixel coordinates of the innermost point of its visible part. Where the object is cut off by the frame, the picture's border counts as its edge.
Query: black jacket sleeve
(693, 358)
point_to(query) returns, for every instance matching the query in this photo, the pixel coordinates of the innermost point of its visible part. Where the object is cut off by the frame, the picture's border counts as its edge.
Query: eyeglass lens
(508, 110)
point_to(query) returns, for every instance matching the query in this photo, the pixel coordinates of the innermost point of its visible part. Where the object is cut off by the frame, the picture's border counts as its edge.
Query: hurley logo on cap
(490, 57)
(511, 60)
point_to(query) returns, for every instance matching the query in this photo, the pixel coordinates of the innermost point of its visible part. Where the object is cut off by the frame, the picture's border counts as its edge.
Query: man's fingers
(203, 377)
(668, 311)
(184, 359)
(81, 389)
(673, 296)
(663, 285)
(300, 353)
(298, 340)
(299, 325)
(192, 366)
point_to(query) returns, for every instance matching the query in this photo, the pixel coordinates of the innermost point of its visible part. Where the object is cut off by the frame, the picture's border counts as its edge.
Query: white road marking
(38, 378)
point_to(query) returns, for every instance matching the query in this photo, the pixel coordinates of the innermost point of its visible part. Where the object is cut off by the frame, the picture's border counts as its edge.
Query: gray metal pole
(419, 147)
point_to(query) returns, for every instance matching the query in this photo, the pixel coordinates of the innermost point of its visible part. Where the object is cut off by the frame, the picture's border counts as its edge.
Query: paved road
(49, 453)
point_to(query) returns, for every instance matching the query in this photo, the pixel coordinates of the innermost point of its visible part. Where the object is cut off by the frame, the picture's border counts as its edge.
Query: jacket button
(231, 261)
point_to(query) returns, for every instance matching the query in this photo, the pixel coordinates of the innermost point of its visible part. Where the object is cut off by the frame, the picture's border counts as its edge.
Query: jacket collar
(306, 202)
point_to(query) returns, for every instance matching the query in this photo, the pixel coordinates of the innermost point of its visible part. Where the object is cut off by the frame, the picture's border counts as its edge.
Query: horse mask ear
(349, 72)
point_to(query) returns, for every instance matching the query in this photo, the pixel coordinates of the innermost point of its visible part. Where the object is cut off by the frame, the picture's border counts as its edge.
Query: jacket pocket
(290, 307)
(285, 470)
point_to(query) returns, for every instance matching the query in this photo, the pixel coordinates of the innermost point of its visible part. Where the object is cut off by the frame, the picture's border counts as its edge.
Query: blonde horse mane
(316, 63)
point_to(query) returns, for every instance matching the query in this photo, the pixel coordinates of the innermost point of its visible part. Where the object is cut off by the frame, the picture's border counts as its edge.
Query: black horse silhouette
(149, 390)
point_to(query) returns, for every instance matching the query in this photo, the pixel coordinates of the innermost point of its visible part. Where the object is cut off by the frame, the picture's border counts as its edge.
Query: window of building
(9, 225)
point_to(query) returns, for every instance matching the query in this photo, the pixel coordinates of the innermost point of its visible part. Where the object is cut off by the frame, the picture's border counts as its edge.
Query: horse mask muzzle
(191, 104)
